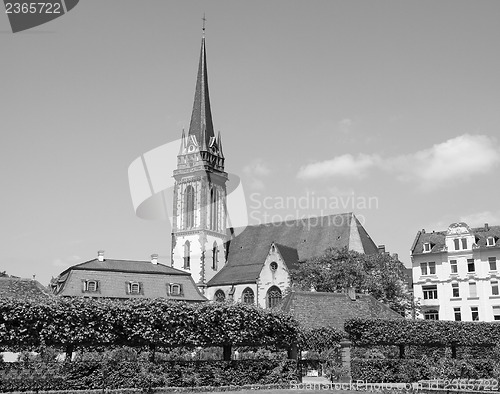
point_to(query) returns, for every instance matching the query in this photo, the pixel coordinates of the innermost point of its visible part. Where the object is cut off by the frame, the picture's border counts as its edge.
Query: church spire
(201, 118)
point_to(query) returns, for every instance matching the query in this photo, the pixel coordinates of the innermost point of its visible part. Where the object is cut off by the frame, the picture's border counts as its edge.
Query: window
(475, 313)
(273, 296)
(91, 286)
(464, 243)
(453, 266)
(472, 290)
(213, 209)
(430, 292)
(494, 287)
(455, 290)
(493, 263)
(431, 314)
(496, 312)
(175, 289)
(134, 288)
(231, 293)
(273, 266)
(490, 241)
(471, 267)
(248, 297)
(189, 207)
(457, 243)
(428, 268)
(219, 296)
(215, 256)
(427, 247)
(187, 255)
(458, 314)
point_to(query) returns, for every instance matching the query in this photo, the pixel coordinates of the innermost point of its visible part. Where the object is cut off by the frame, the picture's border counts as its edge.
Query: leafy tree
(380, 275)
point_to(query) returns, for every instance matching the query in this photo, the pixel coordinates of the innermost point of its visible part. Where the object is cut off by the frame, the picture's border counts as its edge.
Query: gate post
(345, 357)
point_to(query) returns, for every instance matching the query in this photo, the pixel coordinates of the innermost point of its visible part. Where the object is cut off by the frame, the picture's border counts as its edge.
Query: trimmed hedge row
(88, 375)
(413, 370)
(369, 332)
(319, 339)
(29, 324)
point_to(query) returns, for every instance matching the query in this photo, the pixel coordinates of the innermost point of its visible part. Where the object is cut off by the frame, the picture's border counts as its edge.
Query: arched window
(213, 209)
(187, 255)
(248, 297)
(189, 207)
(431, 314)
(219, 296)
(273, 296)
(215, 256)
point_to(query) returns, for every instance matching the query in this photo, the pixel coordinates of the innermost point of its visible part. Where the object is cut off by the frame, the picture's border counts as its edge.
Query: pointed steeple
(201, 118)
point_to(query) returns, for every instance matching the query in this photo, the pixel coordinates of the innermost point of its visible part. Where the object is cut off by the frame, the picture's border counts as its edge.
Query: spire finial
(204, 20)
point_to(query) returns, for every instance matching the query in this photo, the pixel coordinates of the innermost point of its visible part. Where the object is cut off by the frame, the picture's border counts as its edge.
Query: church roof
(308, 237)
(201, 118)
(319, 309)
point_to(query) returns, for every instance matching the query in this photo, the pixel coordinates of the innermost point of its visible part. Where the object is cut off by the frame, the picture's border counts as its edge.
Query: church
(253, 266)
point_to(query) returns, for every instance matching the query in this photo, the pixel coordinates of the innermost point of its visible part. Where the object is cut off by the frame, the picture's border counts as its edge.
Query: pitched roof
(319, 309)
(201, 117)
(290, 255)
(308, 237)
(22, 288)
(437, 239)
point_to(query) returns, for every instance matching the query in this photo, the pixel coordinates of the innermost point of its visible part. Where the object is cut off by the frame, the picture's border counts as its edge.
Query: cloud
(341, 166)
(453, 161)
(344, 126)
(478, 219)
(254, 172)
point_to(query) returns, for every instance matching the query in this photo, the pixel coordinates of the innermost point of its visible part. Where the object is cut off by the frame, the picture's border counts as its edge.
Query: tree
(380, 275)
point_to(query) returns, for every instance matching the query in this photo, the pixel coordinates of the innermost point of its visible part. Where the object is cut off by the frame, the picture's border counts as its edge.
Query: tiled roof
(309, 237)
(438, 239)
(21, 288)
(318, 309)
(126, 266)
(290, 255)
(114, 275)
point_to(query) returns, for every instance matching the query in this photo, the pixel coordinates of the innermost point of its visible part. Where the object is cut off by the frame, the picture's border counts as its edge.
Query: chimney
(423, 231)
(100, 255)
(351, 292)
(381, 249)
(154, 258)
(395, 256)
(486, 227)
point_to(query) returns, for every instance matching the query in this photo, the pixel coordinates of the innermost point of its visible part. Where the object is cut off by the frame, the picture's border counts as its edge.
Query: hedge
(319, 339)
(369, 332)
(34, 376)
(413, 370)
(29, 324)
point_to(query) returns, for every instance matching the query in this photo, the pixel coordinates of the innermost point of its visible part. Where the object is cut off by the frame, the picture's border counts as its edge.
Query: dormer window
(427, 247)
(457, 243)
(175, 289)
(464, 243)
(490, 241)
(134, 288)
(91, 286)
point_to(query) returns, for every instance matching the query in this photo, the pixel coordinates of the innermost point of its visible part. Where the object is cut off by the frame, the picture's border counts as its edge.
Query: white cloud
(254, 172)
(453, 161)
(344, 126)
(345, 165)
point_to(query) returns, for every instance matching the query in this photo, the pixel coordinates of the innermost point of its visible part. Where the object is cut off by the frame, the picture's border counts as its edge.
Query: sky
(387, 109)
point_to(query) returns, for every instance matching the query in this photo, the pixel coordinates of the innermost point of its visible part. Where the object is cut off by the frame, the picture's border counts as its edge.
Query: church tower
(199, 216)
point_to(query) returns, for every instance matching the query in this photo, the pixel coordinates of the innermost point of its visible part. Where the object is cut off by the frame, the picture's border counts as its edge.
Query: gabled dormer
(459, 237)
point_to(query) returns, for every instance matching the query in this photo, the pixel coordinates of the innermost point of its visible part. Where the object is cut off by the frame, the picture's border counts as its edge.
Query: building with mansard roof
(253, 266)
(126, 279)
(455, 273)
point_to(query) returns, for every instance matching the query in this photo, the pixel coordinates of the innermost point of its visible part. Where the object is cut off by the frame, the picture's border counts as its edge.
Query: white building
(455, 273)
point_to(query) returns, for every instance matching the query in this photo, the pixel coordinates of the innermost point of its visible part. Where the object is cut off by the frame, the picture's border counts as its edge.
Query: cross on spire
(204, 20)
